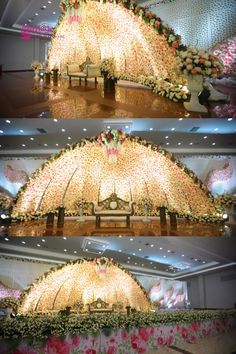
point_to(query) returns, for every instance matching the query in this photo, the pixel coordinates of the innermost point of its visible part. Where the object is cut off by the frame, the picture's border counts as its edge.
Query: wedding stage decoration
(226, 51)
(143, 168)
(111, 333)
(112, 140)
(79, 281)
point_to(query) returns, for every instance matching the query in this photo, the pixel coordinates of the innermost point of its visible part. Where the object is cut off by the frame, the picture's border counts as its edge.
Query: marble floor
(114, 227)
(23, 97)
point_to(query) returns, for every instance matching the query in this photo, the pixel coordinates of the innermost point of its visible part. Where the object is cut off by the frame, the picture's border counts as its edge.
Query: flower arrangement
(108, 68)
(8, 302)
(199, 62)
(146, 204)
(102, 264)
(112, 140)
(44, 326)
(225, 111)
(226, 51)
(70, 4)
(36, 65)
(4, 202)
(225, 200)
(81, 202)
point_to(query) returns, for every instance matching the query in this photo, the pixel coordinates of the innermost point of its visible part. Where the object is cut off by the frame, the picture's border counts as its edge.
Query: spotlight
(3, 216)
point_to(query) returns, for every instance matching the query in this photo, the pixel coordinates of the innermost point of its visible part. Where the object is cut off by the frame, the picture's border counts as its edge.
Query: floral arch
(81, 282)
(85, 170)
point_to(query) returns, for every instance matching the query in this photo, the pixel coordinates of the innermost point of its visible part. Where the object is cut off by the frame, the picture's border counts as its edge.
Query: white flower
(188, 60)
(196, 61)
(189, 67)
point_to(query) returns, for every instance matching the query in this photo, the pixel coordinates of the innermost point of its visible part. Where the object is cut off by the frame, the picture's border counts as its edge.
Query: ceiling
(46, 136)
(171, 257)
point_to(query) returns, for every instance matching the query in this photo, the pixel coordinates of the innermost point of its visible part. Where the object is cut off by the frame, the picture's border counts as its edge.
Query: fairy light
(82, 282)
(87, 172)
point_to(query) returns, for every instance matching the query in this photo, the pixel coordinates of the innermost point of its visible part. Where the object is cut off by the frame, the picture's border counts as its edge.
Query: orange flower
(202, 61)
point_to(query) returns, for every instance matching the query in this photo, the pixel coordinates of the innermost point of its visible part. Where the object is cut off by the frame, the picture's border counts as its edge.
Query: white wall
(216, 290)
(19, 274)
(201, 23)
(18, 54)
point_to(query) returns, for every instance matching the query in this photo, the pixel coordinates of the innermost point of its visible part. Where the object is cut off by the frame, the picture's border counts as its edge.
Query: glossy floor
(72, 227)
(21, 96)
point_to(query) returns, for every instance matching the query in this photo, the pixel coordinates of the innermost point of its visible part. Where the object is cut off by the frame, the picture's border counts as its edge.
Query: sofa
(89, 71)
(113, 206)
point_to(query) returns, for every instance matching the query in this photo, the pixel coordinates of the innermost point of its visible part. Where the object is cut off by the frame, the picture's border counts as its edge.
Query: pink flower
(111, 350)
(124, 335)
(56, 346)
(184, 333)
(90, 351)
(143, 334)
(170, 340)
(160, 342)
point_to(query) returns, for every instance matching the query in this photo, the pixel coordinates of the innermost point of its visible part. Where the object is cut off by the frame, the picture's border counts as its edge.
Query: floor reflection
(72, 227)
(22, 96)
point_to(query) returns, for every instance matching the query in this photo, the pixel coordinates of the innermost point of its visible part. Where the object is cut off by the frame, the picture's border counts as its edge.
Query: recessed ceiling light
(216, 129)
(196, 259)
(127, 261)
(64, 238)
(0, 146)
(55, 120)
(69, 138)
(182, 255)
(6, 239)
(142, 265)
(180, 118)
(23, 145)
(169, 251)
(161, 248)
(166, 137)
(44, 6)
(36, 14)
(108, 127)
(86, 250)
(229, 119)
(54, 12)
(205, 137)
(75, 252)
(172, 129)
(43, 240)
(120, 250)
(140, 249)
(151, 129)
(126, 127)
(65, 250)
(68, 144)
(119, 236)
(167, 143)
(190, 143)
(45, 144)
(38, 245)
(135, 263)
(179, 143)
(31, 139)
(213, 144)
(29, 20)
(21, 131)
(131, 239)
(49, 2)
(128, 257)
(150, 262)
(23, 242)
(63, 130)
(99, 252)
(57, 144)
(1, 131)
(151, 245)
(84, 129)
(89, 243)
(164, 256)
(204, 262)
(8, 121)
(133, 254)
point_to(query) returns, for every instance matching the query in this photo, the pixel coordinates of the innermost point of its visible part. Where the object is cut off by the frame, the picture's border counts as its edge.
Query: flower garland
(4, 202)
(44, 326)
(36, 65)
(199, 62)
(101, 139)
(225, 199)
(9, 302)
(108, 68)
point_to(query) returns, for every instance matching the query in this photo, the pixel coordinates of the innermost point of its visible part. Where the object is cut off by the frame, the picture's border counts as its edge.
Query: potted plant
(55, 71)
(47, 75)
(36, 66)
(197, 64)
(146, 206)
(108, 71)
